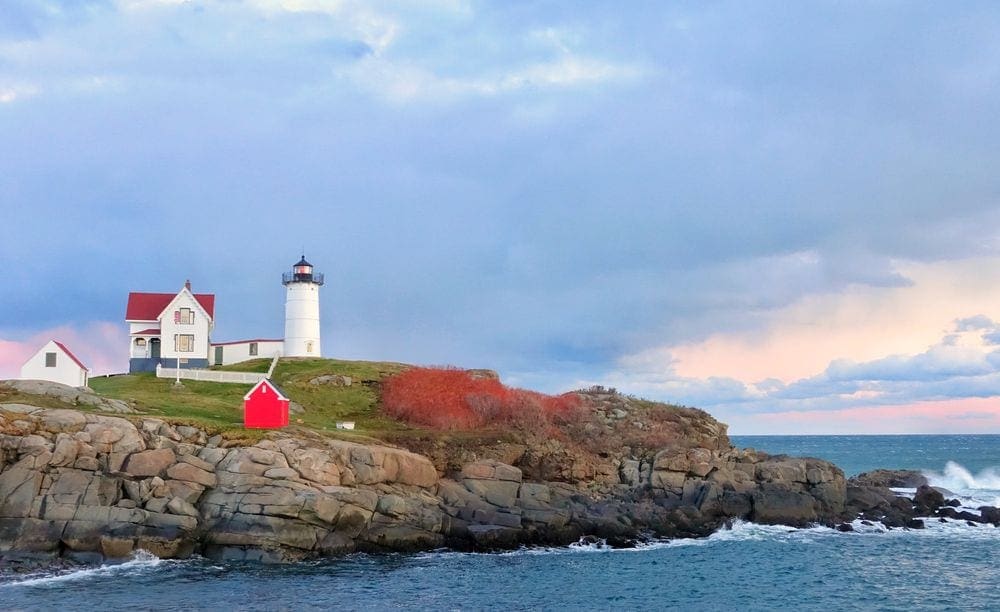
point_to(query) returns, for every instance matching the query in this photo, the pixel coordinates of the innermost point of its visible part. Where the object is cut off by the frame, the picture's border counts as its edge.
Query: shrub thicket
(448, 398)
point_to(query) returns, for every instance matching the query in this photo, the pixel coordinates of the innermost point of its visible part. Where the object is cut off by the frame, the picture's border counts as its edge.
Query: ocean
(948, 566)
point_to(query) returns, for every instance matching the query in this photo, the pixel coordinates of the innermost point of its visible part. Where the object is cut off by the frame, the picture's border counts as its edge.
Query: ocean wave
(956, 477)
(974, 490)
(745, 531)
(140, 561)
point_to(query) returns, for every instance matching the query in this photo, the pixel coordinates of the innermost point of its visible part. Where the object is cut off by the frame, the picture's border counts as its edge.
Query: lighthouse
(302, 310)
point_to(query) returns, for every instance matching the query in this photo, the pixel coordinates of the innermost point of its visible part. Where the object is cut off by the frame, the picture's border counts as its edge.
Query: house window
(309, 347)
(184, 316)
(50, 360)
(184, 343)
(140, 342)
(253, 348)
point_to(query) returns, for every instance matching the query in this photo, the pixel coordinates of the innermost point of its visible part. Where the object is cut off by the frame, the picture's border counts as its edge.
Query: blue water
(856, 454)
(949, 566)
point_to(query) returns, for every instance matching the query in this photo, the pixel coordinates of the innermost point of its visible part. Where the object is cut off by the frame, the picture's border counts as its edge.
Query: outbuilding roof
(268, 382)
(70, 354)
(148, 306)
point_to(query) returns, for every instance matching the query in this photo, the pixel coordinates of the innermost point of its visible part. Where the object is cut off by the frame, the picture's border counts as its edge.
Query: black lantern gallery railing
(292, 277)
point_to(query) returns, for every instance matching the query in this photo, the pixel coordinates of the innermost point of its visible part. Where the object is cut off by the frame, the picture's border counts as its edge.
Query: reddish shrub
(448, 398)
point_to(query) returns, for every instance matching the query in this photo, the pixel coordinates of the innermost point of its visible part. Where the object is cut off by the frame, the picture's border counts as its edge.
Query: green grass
(218, 407)
(213, 405)
(254, 365)
(326, 404)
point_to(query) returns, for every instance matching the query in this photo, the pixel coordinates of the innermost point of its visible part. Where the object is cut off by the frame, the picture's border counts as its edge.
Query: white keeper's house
(54, 362)
(174, 329)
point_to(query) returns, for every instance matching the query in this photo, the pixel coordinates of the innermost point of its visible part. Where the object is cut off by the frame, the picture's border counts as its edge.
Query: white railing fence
(274, 362)
(243, 378)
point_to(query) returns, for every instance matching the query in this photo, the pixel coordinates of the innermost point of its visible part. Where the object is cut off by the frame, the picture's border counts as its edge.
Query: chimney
(187, 284)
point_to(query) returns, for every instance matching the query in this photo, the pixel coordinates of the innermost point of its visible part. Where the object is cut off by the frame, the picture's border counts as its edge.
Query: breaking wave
(976, 489)
(140, 561)
(955, 477)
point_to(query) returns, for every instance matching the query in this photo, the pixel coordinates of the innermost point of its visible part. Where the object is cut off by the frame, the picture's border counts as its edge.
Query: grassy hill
(219, 406)
(572, 437)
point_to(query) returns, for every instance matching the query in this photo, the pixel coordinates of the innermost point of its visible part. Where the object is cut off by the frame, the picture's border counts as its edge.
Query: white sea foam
(973, 490)
(139, 562)
(745, 531)
(956, 477)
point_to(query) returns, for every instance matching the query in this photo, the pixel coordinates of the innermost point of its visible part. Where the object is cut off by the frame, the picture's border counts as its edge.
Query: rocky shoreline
(87, 487)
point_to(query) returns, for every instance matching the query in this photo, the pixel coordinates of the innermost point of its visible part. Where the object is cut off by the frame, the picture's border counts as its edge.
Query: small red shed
(265, 407)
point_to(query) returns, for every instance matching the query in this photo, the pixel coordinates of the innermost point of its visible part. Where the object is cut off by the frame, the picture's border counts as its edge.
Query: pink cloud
(861, 324)
(101, 345)
(968, 415)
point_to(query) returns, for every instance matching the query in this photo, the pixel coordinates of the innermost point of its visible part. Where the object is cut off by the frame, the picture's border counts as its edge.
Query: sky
(785, 214)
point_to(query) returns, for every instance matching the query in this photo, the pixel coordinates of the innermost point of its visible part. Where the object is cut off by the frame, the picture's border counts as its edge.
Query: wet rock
(779, 503)
(899, 479)
(927, 499)
(989, 514)
(947, 512)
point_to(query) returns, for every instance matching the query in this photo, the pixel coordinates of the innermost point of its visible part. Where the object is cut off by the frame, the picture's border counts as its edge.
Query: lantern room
(302, 272)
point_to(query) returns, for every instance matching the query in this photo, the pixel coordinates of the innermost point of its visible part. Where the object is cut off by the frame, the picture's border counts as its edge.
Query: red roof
(247, 341)
(148, 306)
(152, 331)
(71, 355)
(266, 381)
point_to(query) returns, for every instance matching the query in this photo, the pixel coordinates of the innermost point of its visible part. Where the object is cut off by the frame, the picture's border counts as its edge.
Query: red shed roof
(274, 387)
(71, 355)
(148, 306)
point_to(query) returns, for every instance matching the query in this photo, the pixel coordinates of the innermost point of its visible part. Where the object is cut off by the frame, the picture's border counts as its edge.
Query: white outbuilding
(56, 363)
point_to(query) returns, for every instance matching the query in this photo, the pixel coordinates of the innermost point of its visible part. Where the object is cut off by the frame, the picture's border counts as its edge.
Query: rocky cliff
(90, 486)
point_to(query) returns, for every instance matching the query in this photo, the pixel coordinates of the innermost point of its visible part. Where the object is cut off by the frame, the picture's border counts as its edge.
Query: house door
(154, 348)
(218, 355)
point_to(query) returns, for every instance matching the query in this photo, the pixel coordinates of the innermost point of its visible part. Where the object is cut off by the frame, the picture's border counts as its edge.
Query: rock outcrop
(89, 486)
(72, 396)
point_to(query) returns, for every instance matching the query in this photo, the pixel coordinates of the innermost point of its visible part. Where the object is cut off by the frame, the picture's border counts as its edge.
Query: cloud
(942, 416)
(17, 92)
(688, 199)
(403, 83)
(975, 323)
(794, 362)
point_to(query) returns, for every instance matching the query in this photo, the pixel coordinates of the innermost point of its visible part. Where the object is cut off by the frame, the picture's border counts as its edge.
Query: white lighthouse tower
(302, 310)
